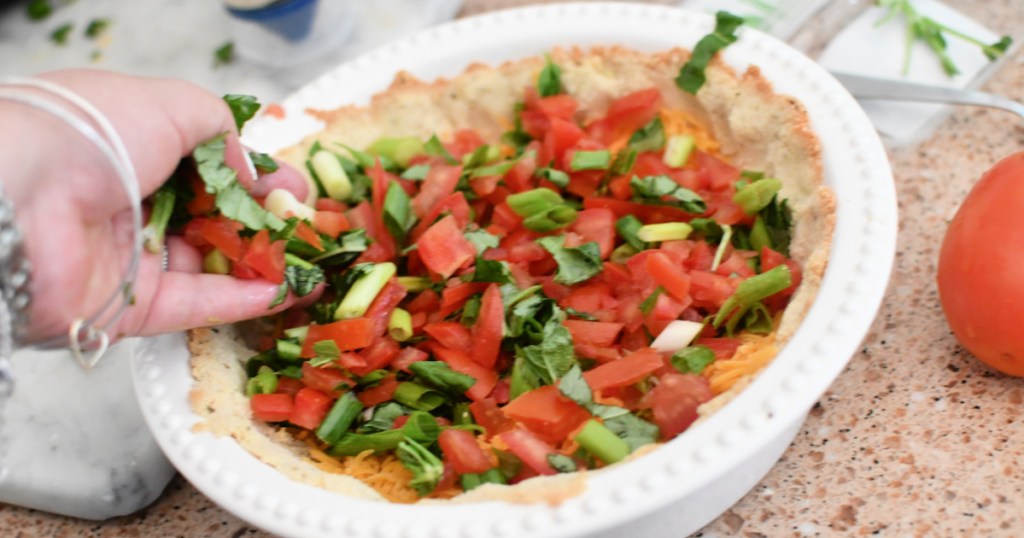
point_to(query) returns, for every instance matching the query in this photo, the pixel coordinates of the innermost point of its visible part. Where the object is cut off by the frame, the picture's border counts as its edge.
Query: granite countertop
(915, 438)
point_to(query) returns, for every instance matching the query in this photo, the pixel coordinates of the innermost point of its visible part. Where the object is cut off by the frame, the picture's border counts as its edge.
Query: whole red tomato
(981, 274)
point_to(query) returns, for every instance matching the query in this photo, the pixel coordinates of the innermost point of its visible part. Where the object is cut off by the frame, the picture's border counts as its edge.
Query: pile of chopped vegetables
(497, 310)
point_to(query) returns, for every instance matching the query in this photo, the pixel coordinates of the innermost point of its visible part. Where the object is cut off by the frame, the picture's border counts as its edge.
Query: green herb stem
(163, 208)
(598, 440)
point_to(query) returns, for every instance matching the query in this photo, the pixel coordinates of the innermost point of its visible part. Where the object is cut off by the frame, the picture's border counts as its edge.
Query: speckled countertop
(915, 438)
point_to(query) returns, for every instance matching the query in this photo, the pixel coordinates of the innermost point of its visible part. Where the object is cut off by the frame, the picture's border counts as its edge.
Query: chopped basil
(482, 240)
(691, 76)
(416, 172)
(549, 82)
(650, 137)
(233, 201)
(439, 375)
(692, 359)
(60, 35)
(326, 352)
(553, 356)
(709, 228)
(561, 463)
(648, 304)
(635, 431)
(628, 227)
(491, 271)
(653, 190)
(397, 215)
(263, 162)
(96, 28)
(224, 54)
(383, 418)
(38, 10)
(435, 148)
(778, 222)
(575, 264)
(243, 107)
(303, 279)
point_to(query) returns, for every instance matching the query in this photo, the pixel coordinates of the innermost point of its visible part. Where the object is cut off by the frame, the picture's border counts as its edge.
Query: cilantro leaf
(224, 54)
(691, 76)
(561, 463)
(693, 359)
(383, 418)
(576, 264)
(491, 271)
(243, 107)
(482, 240)
(549, 82)
(650, 137)
(653, 190)
(398, 216)
(635, 431)
(553, 357)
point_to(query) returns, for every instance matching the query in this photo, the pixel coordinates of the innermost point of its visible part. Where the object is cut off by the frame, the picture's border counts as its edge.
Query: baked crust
(756, 128)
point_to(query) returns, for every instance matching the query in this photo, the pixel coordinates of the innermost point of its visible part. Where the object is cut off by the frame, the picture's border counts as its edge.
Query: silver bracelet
(86, 333)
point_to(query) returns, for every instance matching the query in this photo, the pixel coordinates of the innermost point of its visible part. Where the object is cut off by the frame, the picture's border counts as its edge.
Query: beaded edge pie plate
(663, 488)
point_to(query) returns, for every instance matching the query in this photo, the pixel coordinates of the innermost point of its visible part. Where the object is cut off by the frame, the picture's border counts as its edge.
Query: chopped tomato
(674, 402)
(530, 448)
(489, 328)
(648, 214)
(326, 379)
(462, 451)
(426, 301)
(378, 355)
(547, 413)
(266, 258)
(485, 378)
(330, 223)
(723, 348)
(306, 233)
(275, 407)
(202, 202)
(626, 114)
(348, 334)
(597, 225)
(330, 204)
(311, 406)
(454, 205)
(443, 248)
(379, 393)
(668, 275)
(288, 385)
(593, 333)
(407, 356)
(487, 414)
(625, 371)
(221, 233)
(439, 183)
(384, 305)
(452, 298)
(709, 289)
(451, 334)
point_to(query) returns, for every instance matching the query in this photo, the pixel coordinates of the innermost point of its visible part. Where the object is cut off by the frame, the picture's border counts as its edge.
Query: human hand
(76, 220)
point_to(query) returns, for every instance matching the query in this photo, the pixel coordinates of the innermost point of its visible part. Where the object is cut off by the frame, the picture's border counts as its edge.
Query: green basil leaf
(635, 431)
(691, 76)
(398, 216)
(650, 137)
(416, 172)
(575, 265)
(692, 359)
(482, 240)
(491, 271)
(654, 189)
(549, 82)
(263, 162)
(435, 148)
(439, 375)
(243, 108)
(383, 418)
(561, 463)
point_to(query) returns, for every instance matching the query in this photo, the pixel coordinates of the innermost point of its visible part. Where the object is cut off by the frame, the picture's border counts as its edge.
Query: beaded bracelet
(84, 333)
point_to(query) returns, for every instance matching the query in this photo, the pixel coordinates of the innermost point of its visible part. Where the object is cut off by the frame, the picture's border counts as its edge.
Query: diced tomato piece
(266, 258)
(439, 183)
(383, 391)
(202, 202)
(585, 183)
(625, 371)
(288, 385)
(530, 448)
(520, 177)
(275, 407)
(348, 334)
(383, 247)
(351, 361)
(487, 414)
(451, 334)
(502, 391)
(326, 379)
(407, 356)
(453, 297)
(723, 348)
(521, 247)
(547, 413)
(674, 402)
(379, 355)
(465, 141)
(306, 233)
(503, 216)
(426, 301)
(735, 263)
(710, 290)
(443, 248)
(384, 304)
(562, 135)
(666, 309)
(593, 333)
(330, 223)
(489, 328)
(463, 452)
(669, 276)
(556, 106)
(454, 204)
(594, 298)
(626, 114)
(598, 353)
(597, 225)
(221, 233)
(650, 163)
(718, 174)
(311, 406)
(486, 378)
(330, 204)
(701, 257)
(648, 214)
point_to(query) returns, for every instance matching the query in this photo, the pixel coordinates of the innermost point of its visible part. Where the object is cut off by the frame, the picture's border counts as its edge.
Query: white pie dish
(675, 489)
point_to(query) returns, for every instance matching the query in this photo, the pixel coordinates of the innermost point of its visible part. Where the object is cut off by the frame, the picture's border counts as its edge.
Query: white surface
(693, 478)
(177, 38)
(780, 18)
(867, 48)
(73, 442)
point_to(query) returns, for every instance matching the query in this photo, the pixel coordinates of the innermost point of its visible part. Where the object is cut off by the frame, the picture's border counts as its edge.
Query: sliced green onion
(400, 325)
(752, 291)
(461, 415)
(533, 202)
(299, 333)
(339, 419)
(590, 160)
(331, 174)
(421, 427)
(414, 283)
(417, 396)
(722, 245)
(759, 236)
(216, 263)
(554, 219)
(287, 349)
(474, 480)
(678, 150)
(400, 150)
(364, 291)
(563, 215)
(163, 208)
(623, 252)
(264, 382)
(667, 231)
(601, 442)
(757, 195)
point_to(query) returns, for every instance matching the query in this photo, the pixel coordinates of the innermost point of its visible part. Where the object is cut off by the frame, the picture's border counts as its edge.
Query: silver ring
(165, 258)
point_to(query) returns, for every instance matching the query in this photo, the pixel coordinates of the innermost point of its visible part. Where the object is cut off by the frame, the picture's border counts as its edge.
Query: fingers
(184, 301)
(182, 257)
(285, 177)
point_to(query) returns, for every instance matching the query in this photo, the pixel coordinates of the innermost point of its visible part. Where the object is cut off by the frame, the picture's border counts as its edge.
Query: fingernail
(249, 164)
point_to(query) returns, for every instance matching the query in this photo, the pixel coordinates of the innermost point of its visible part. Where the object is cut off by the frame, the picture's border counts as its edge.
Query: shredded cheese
(753, 354)
(678, 122)
(384, 473)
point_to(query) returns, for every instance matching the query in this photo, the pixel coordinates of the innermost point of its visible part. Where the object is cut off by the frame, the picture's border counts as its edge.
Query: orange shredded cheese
(384, 473)
(753, 354)
(677, 122)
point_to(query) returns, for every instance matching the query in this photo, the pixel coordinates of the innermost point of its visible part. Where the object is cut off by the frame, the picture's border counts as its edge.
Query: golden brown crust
(757, 129)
